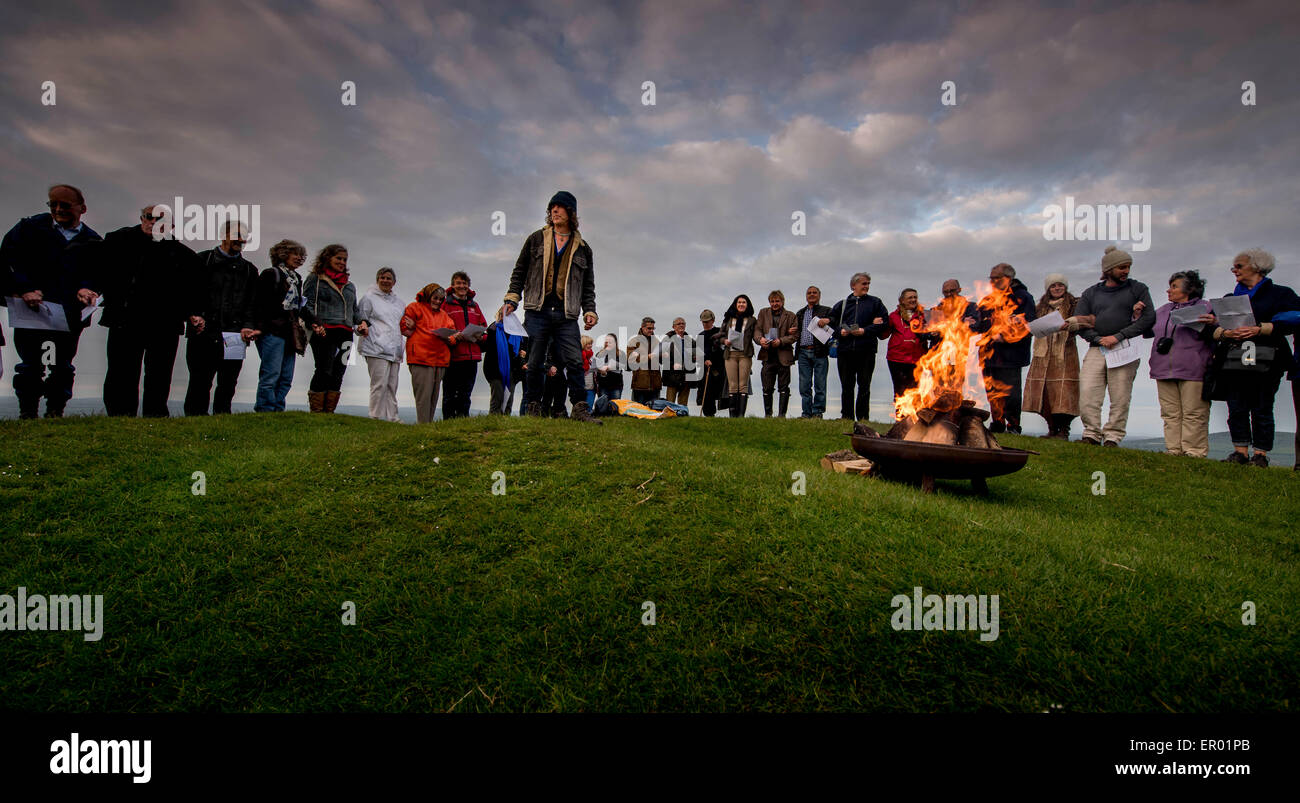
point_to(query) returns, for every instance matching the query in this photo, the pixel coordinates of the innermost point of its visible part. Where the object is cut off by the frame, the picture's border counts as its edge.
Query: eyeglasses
(57, 205)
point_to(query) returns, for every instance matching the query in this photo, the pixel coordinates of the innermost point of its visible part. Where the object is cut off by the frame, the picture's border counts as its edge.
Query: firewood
(942, 432)
(899, 430)
(927, 414)
(973, 433)
(973, 412)
(860, 466)
(947, 401)
(917, 432)
(993, 442)
(865, 431)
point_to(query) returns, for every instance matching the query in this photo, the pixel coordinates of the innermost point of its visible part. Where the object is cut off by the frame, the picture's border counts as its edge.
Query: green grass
(531, 600)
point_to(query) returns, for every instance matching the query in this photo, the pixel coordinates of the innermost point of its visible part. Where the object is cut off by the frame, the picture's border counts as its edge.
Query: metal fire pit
(929, 461)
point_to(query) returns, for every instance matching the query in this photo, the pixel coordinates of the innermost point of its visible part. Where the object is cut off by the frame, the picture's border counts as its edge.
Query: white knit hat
(1114, 257)
(1053, 278)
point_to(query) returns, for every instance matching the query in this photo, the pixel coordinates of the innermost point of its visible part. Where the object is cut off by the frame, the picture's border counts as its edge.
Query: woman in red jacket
(906, 344)
(465, 356)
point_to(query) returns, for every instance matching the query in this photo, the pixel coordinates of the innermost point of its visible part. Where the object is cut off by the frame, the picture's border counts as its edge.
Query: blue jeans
(543, 327)
(812, 381)
(275, 375)
(591, 398)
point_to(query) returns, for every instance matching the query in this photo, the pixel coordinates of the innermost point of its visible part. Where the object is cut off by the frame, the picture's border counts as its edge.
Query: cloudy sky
(761, 110)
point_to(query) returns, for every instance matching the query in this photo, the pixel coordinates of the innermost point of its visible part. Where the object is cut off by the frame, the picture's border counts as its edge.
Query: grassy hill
(531, 600)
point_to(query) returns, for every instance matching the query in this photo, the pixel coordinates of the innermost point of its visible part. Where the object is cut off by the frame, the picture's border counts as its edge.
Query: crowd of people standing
(154, 289)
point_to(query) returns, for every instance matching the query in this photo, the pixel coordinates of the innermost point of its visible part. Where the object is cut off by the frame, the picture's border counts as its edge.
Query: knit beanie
(564, 198)
(1114, 258)
(1053, 278)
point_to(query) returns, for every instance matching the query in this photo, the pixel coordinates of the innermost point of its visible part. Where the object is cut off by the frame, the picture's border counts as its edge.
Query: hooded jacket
(382, 312)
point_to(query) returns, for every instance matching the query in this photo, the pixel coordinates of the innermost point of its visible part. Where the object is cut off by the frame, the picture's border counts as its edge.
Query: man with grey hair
(46, 259)
(225, 306)
(859, 321)
(139, 275)
(679, 359)
(812, 355)
(1123, 310)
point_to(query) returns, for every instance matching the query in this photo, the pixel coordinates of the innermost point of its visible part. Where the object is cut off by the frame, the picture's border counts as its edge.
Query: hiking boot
(534, 409)
(997, 427)
(583, 413)
(53, 412)
(1114, 444)
(1258, 459)
(1236, 457)
(1090, 441)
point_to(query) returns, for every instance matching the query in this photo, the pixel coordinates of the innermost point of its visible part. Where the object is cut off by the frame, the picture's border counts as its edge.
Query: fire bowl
(928, 462)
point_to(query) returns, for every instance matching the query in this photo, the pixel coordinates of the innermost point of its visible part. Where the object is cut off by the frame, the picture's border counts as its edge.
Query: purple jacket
(1190, 355)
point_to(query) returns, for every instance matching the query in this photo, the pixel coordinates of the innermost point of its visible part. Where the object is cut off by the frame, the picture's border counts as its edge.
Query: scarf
(507, 346)
(1243, 290)
(339, 277)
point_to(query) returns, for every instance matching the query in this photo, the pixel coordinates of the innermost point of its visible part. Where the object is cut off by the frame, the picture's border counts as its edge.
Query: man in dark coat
(147, 284)
(226, 291)
(715, 371)
(1006, 363)
(46, 258)
(859, 321)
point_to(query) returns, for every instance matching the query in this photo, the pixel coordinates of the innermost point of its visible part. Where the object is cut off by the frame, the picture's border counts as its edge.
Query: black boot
(744, 404)
(767, 405)
(785, 403)
(733, 409)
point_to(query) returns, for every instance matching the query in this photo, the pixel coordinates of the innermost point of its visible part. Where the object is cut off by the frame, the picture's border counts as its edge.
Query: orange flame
(943, 367)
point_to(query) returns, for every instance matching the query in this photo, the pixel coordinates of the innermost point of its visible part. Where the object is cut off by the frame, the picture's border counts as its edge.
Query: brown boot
(582, 413)
(316, 401)
(331, 400)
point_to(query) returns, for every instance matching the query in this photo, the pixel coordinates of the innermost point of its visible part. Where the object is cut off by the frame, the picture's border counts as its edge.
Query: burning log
(899, 430)
(917, 432)
(973, 433)
(943, 432)
(947, 401)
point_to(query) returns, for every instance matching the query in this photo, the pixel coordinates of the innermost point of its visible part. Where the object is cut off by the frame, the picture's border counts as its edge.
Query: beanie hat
(564, 198)
(1053, 278)
(1114, 258)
